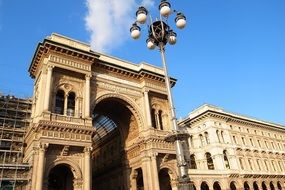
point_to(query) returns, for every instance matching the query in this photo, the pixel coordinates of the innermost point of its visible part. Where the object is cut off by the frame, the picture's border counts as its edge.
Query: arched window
(207, 138)
(233, 186)
(160, 119)
(204, 186)
(222, 135)
(263, 186)
(70, 104)
(59, 102)
(216, 186)
(210, 162)
(193, 162)
(218, 136)
(246, 186)
(201, 139)
(255, 186)
(279, 185)
(227, 164)
(271, 186)
(191, 141)
(153, 120)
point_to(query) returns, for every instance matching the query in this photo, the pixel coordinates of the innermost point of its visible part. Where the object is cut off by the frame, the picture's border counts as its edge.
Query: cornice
(140, 74)
(112, 64)
(64, 127)
(47, 46)
(230, 118)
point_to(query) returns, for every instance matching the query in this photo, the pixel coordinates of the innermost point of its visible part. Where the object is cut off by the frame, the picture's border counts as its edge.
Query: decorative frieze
(70, 63)
(118, 89)
(151, 143)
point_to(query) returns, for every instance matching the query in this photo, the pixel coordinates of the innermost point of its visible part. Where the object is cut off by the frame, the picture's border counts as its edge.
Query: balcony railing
(65, 118)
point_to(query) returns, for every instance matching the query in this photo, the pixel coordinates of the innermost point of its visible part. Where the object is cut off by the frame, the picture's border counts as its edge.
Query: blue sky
(231, 54)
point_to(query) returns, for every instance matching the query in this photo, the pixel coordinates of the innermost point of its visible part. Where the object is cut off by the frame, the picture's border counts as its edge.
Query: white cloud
(147, 3)
(108, 22)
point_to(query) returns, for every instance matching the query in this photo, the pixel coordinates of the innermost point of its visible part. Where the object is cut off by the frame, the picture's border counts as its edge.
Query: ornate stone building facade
(230, 151)
(98, 122)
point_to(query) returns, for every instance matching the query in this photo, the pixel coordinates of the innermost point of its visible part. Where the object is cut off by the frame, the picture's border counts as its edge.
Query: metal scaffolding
(15, 116)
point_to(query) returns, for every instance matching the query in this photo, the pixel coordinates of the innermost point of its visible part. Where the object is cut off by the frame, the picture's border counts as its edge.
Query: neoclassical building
(98, 122)
(231, 151)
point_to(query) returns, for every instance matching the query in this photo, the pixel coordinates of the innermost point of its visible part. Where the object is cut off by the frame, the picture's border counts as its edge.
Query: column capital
(50, 67)
(88, 76)
(40, 147)
(87, 149)
(43, 146)
(145, 91)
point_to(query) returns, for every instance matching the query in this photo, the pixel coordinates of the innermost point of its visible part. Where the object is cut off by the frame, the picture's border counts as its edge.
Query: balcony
(65, 118)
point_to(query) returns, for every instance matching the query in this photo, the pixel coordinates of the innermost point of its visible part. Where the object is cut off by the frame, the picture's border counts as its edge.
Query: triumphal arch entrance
(98, 122)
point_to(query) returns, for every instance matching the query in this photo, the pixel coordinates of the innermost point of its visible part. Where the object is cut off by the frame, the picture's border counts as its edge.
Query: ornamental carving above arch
(130, 104)
(74, 167)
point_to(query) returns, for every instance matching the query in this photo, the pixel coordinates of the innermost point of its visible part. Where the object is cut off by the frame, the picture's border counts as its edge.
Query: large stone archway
(117, 128)
(60, 178)
(63, 167)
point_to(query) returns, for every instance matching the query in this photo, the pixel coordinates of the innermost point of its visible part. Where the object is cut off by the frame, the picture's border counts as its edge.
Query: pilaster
(147, 108)
(87, 168)
(87, 95)
(48, 87)
(40, 166)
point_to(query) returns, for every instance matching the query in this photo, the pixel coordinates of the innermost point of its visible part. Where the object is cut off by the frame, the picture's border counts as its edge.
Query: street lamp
(159, 34)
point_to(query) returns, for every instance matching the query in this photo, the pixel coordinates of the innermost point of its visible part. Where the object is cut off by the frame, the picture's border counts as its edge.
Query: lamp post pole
(159, 34)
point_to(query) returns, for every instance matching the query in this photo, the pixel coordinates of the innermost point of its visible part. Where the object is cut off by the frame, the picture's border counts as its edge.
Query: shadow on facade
(116, 127)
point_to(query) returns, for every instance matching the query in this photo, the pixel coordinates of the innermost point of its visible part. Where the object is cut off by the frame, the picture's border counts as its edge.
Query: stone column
(201, 161)
(65, 104)
(147, 109)
(48, 87)
(35, 168)
(213, 136)
(87, 95)
(41, 166)
(87, 168)
(155, 178)
(134, 176)
(146, 170)
(218, 160)
(127, 177)
(232, 159)
(174, 185)
(157, 120)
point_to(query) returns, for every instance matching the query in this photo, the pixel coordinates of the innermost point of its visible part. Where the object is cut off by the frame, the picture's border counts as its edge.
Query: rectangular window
(272, 144)
(266, 144)
(266, 165)
(273, 165)
(235, 140)
(240, 163)
(280, 166)
(258, 164)
(250, 164)
(251, 142)
(259, 143)
(243, 141)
